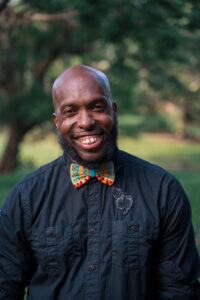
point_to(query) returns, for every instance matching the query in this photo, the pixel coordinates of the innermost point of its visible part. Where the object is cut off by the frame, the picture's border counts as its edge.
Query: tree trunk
(3, 4)
(9, 159)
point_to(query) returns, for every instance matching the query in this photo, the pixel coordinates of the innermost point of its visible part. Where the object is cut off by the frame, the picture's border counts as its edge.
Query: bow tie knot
(80, 174)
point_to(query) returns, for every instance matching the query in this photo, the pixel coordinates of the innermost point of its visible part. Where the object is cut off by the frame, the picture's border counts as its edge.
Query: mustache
(93, 129)
(79, 134)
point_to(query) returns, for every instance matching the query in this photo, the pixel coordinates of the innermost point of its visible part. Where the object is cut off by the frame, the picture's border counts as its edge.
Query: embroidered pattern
(80, 175)
(123, 201)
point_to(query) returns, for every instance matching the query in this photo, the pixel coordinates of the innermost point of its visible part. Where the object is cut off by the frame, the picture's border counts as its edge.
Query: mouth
(89, 142)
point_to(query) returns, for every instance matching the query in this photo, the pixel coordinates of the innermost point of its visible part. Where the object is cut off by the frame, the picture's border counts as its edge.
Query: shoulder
(155, 179)
(34, 183)
(34, 191)
(138, 164)
(150, 176)
(155, 182)
(43, 171)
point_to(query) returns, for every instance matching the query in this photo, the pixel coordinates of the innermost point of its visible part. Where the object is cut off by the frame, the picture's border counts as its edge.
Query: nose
(85, 119)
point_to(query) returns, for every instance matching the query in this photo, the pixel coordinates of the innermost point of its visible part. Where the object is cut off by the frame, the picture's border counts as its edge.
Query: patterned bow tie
(80, 175)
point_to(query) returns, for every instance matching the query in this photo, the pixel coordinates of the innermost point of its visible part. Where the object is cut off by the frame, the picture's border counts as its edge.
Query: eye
(68, 112)
(99, 107)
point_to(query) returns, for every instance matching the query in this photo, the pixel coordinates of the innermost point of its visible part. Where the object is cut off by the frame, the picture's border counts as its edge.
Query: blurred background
(148, 49)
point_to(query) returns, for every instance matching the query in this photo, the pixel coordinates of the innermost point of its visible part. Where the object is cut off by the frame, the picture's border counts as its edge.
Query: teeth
(90, 140)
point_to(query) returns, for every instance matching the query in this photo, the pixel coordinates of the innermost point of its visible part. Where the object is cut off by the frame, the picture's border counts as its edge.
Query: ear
(114, 107)
(55, 118)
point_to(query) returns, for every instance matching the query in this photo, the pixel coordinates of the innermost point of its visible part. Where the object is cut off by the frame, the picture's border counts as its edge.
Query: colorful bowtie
(80, 175)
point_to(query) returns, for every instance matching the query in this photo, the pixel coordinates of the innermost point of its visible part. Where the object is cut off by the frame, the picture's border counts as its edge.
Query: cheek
(107, 123)
(66, 129)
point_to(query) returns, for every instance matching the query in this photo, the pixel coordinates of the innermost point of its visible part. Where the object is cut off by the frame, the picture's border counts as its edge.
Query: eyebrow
(99, 99)
(94, 101)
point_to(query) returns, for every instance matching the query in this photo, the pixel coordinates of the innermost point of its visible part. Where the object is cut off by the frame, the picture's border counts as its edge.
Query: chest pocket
(131, 245)
(52, 248)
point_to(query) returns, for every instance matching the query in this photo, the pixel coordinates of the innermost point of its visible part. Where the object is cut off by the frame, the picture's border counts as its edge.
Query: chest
(97, 223)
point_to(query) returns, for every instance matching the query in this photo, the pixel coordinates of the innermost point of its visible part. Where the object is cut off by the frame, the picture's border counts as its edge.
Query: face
(85, 117)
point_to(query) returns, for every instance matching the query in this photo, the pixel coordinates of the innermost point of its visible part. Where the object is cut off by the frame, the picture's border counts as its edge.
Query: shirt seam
(27, 213)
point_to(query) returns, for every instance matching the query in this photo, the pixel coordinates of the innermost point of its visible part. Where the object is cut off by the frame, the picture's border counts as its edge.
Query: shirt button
(133, 228)
(92, 267)
(93, 230)
(50, 233)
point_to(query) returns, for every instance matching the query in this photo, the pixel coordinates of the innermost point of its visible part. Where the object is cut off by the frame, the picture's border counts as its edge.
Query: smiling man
(97, 223)
(85, 115)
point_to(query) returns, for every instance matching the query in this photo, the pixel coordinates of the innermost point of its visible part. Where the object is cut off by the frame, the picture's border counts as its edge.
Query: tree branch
(69, 15)
(41, 67)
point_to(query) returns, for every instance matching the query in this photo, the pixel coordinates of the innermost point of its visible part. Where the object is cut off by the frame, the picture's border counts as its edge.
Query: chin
(92, 157)
(88, 161)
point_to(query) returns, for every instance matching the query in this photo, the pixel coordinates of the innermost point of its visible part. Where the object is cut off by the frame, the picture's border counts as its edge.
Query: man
(97, 223)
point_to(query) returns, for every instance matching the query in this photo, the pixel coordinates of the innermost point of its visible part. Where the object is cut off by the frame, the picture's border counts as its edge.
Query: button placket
(93, 242)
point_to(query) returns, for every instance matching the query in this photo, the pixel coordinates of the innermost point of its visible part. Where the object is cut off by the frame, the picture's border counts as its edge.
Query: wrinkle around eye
(99, 108)
(68, 111)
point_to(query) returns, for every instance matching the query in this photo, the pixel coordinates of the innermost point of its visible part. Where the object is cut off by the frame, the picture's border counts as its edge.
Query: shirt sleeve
(16, 266)
(177, 260)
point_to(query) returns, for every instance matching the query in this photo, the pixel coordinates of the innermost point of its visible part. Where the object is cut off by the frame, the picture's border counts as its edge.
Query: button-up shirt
(130, 241)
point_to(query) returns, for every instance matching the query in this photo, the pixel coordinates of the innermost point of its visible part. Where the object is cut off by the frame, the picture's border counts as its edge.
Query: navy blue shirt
(131, 241)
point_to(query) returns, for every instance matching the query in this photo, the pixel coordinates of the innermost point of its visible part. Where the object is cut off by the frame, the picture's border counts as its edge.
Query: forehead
(79, 87)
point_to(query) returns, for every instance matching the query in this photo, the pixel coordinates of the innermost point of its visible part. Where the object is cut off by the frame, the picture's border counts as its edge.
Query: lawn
(182, 158)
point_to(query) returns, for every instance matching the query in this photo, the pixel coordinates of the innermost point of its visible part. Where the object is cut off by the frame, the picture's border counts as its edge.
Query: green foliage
(193, 131)
(131, 125)
(148, 49)
(149, 41)
(158, 123)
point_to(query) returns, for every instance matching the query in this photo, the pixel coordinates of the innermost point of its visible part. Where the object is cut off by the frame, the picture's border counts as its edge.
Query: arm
(177, 261)
(16, 265)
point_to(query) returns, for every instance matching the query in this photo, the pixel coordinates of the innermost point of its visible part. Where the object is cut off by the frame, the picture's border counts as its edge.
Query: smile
(89, 141)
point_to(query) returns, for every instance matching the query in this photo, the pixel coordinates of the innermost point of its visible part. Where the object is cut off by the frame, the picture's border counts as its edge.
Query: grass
(164, 150)
(182, 158)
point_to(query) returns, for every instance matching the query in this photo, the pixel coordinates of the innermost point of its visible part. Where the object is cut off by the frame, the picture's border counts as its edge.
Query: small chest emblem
(123, 201)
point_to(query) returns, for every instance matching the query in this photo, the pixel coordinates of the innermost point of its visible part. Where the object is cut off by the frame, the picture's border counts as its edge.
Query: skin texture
(85, 114)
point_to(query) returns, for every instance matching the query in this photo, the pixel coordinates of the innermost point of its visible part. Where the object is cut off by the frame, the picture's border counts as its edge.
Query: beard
(71, 153)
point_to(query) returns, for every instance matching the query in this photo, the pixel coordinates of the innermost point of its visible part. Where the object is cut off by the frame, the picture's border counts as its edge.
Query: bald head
(73, 77)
